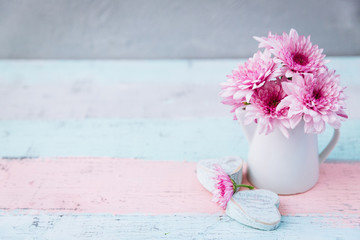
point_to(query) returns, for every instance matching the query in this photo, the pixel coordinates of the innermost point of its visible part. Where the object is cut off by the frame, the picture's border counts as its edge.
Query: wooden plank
(117, 100)
(114, 71)
(150, 71)
(88, 99)
(129, 186)
(158, 139)
(19, 226)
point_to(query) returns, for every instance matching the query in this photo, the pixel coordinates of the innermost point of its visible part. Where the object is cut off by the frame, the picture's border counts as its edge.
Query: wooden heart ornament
(205, 170)
(255, 208)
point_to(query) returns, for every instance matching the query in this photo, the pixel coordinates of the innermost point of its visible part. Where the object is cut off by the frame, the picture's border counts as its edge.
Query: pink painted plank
(337, 192)
(100, 185)
(127, 186)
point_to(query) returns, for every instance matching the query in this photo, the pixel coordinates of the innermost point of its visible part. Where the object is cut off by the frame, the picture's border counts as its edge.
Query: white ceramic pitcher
(284, 165)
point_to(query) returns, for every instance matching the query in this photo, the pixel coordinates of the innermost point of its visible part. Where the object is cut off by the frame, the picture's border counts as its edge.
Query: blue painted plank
(18, 226)
(152, 139)
(111, 71)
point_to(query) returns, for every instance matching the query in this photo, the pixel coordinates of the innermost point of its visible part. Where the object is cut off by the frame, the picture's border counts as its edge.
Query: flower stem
(237, 186)
(244, 185)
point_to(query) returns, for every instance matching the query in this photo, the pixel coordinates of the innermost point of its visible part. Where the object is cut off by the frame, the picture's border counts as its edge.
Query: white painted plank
(88, 99)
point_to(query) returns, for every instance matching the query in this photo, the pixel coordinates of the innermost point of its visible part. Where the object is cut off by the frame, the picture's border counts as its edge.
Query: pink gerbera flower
(252, 75)
(296, 53)
(265, 110)
(225, 187)
(318, 99)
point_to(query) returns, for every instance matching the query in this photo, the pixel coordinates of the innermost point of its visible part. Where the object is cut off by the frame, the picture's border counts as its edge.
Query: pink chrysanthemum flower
(296, 53)
(252, 75)
(225, 187)
(318, 99)
(265, 109)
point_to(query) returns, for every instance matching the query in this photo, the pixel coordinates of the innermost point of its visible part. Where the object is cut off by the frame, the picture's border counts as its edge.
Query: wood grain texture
(86, 99)
(33, 72)
(257, 208)
(158, 139)
(174, 116)
(128, 186)
(129, 89)
(19, 226)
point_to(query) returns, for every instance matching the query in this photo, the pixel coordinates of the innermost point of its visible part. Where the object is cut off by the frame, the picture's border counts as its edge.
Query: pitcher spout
(249, 129)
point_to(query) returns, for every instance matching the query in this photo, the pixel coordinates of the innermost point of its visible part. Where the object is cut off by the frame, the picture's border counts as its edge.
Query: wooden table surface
(108, 150)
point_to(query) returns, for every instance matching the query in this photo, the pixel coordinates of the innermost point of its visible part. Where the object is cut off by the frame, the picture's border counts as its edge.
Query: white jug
(284, 165)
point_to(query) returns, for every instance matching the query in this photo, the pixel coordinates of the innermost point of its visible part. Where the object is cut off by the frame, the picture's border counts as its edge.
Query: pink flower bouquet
(286, 83)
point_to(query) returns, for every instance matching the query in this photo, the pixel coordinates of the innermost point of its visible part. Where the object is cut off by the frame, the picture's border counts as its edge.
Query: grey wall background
(169, 29)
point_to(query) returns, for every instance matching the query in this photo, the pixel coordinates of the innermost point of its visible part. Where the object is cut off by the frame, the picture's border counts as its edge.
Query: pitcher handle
(327, 150)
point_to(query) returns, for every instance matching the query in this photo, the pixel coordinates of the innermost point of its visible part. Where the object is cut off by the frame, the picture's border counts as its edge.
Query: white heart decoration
(255, 208)
(205, 170)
